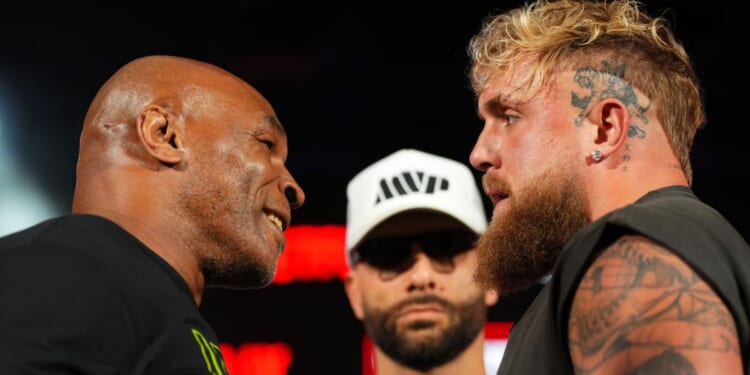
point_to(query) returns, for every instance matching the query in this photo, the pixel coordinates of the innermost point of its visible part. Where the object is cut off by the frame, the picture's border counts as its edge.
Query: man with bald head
(181, 185)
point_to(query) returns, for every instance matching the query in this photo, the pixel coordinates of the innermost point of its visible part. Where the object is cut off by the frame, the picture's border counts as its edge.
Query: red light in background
(257, 358)
(312, 253)
(497, 330)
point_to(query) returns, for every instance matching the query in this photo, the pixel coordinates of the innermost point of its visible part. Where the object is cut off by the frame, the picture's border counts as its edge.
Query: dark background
(351, 83)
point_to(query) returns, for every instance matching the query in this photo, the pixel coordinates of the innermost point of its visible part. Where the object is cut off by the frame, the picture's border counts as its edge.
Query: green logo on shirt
(211, 354)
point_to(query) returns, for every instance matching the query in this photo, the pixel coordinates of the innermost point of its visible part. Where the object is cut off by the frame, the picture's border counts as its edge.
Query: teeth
(275, 220)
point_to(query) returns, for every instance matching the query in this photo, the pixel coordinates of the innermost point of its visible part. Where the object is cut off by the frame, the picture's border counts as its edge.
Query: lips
(495, 189)
(420, 309)
(496, 197)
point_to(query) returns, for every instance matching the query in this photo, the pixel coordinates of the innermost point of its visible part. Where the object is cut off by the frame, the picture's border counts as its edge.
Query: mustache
(425, 299)
(493, 183)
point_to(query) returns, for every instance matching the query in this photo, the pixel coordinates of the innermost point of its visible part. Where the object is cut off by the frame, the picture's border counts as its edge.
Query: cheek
(463, 281)
(522, 151)
(232, 155)
(533, 153)
(462, 278)
(238, 172)
(254, 171)
(379, 295)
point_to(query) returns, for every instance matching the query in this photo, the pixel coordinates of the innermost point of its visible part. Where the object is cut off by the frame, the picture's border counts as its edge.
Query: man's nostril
(291, 196)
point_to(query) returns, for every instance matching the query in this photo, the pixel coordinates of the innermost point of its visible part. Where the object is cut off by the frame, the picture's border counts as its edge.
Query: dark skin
(190, 159)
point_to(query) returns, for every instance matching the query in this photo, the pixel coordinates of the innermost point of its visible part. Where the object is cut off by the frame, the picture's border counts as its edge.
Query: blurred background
(350, 82)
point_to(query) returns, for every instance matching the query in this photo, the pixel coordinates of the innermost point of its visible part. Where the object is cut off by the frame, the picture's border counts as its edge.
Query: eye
(510, 118)
(268, 144)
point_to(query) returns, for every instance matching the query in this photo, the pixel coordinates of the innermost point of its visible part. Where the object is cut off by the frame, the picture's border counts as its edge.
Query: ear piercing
(596, 155)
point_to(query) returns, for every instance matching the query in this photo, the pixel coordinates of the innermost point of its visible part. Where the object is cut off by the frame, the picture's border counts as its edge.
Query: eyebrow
(274, 122)
(499, 98)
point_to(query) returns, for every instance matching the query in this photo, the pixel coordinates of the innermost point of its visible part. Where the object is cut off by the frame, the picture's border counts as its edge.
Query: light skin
(639, 308)
(190, 159)
(373, 296)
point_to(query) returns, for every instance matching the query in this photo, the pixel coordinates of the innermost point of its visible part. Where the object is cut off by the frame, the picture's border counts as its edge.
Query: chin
(239, 275)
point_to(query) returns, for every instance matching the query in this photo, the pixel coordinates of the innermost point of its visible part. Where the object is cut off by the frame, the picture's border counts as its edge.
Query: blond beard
(521, 246)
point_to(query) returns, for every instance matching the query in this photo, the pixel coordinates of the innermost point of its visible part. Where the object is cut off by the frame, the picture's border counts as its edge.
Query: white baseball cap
(410, 179)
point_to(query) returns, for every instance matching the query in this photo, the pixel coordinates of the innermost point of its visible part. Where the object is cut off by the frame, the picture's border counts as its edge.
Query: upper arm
(640, 309)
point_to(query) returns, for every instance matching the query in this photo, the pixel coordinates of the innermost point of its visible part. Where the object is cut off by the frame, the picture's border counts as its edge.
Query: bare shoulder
(640, 309)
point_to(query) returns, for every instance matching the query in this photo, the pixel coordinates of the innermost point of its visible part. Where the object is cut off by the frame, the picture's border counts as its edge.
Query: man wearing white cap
(412, 222)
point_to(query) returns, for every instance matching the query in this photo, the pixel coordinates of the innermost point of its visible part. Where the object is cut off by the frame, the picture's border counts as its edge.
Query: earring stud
(596, 155)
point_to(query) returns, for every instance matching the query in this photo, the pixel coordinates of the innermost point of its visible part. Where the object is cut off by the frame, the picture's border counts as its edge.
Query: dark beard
(236, 273)
(522, 245)
(467, 320)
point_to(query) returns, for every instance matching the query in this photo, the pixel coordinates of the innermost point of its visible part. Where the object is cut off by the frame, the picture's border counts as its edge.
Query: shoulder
(72, 258)
(639, 305)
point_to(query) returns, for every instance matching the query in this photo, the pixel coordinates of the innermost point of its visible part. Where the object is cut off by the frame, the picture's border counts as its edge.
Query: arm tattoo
(641, 309)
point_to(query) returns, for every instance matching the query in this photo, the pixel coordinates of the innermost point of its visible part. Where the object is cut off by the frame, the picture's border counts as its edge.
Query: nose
(421, 274)
(483, 155)
(292, 191)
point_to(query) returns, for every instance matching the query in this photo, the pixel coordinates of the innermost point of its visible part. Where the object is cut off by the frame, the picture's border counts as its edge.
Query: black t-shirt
(672, 217)
(79, 295)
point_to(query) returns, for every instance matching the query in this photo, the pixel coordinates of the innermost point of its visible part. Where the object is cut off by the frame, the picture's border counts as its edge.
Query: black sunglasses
(395, 254)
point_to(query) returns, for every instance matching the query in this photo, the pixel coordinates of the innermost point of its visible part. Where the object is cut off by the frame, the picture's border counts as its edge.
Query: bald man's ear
(158, 132)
